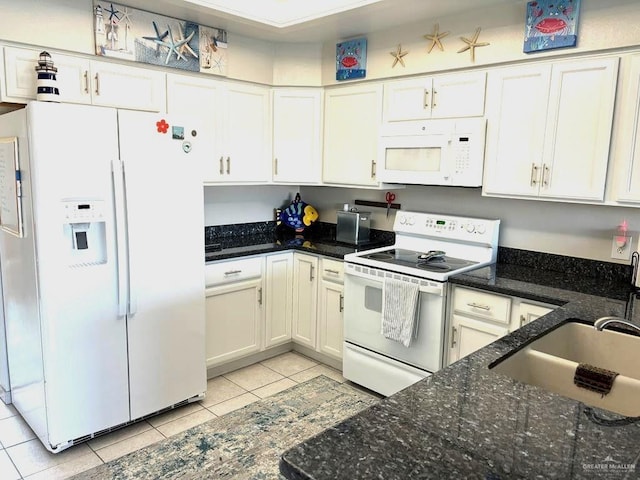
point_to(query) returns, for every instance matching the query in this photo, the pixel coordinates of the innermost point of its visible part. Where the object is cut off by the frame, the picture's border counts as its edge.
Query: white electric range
(428, 249)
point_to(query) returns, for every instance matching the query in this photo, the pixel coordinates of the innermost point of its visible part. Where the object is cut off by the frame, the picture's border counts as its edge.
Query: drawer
(482, 304)
(229, 271)
(332, 270)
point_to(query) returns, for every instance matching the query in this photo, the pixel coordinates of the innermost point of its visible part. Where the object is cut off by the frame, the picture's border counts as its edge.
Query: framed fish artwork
(551, 24)
(351, 59)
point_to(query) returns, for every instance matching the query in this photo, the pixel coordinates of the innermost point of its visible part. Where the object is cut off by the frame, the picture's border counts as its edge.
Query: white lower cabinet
(234, 312)
(278, 293)
(331, 318)
(256, 303)
(478, 318)
(305, 299)
(318, 304)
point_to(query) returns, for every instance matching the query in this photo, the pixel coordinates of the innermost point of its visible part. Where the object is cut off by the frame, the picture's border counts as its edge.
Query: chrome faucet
(603, 322)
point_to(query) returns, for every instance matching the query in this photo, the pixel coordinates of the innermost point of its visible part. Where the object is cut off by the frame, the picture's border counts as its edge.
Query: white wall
(602, 25)
(576, 230)
(224, 205)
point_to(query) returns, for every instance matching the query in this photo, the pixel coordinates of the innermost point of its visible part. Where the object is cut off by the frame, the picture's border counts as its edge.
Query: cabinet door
(233, 321)
(72, 77)
(297, 132)
(528, 312)
(202, 97)
(578, 132)
(351, 128)
(330, 319)
(459, 95)
(628, 144)
(124, 86)
(279, 286)
(247, 133)
(516, 116)
(468, 335)
(407, 100)
(305, 299)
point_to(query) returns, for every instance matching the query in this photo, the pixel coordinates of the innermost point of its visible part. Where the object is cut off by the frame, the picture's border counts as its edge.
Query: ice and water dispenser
(85, 232)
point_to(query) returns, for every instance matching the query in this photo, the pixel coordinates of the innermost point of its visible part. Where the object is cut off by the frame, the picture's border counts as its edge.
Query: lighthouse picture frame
(551, 24)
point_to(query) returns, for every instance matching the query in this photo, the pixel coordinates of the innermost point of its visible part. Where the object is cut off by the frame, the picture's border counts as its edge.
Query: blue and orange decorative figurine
(298, 215)
(47, 87)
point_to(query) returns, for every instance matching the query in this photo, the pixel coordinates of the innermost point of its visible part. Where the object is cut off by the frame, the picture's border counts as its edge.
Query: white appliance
(5, 385)
(104, 291)
(428, 249)
(433, 152)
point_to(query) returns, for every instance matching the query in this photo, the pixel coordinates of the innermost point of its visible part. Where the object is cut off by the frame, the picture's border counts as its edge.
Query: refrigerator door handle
(122, 255)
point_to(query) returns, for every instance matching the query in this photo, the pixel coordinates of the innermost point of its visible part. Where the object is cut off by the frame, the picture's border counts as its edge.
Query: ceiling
(310, 20)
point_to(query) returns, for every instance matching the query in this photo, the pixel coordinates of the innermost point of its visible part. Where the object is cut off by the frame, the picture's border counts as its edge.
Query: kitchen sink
(550, 362)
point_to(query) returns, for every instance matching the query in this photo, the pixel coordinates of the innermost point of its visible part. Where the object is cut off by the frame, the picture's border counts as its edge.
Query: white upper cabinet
(443, 96)
(627, 143)
(237, 119)
(297, 135)
(549, 129)
(352, 117)
(245, 141)
(85, 81)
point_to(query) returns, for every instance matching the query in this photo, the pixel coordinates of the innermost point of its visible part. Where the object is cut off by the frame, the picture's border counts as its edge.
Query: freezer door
(164, 202)
(83, 340)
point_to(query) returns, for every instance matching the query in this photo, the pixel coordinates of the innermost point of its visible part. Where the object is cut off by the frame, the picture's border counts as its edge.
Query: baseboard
(218, 370)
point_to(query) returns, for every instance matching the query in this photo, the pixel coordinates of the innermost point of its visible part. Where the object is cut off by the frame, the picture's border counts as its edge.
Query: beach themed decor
(551, 24)
(472, 44)
(351, 59)
(46, 83)
(436, 38)
(298, 216)
(397, 56)
(131, 34)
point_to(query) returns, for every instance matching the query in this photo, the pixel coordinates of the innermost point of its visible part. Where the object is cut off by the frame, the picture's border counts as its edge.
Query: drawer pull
(341, 302)
(523, 320)
(260, 296)
(333, 272)
(453, 336)
(232, 272)
(479, 305)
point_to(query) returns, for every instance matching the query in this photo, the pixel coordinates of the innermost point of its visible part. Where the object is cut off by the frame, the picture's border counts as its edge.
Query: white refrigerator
(104, 285)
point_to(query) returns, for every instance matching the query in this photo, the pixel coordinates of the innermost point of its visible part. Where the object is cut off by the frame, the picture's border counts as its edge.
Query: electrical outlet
(621, 252)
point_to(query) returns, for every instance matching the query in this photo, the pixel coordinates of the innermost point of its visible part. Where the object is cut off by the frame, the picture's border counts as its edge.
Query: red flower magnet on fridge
(162, 125)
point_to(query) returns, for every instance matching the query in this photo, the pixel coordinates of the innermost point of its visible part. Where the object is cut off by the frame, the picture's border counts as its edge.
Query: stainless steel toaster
(353, 227)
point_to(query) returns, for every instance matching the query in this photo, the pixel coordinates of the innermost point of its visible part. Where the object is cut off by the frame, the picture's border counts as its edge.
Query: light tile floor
(23, 456)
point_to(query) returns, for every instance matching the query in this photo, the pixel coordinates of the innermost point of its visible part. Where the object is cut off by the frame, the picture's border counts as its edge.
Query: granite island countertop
(467, 421)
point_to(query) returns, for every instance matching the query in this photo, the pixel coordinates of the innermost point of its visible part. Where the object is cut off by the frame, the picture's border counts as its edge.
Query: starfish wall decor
(435, 38)
(397, 56)
(472, 44)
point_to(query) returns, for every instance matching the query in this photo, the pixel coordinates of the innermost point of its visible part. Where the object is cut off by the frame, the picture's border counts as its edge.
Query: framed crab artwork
(351, 59)
(551, 24)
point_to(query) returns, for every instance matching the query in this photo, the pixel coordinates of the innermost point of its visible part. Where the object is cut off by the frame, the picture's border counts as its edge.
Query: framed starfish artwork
(551, 24)
(351, 59)
(140, 36)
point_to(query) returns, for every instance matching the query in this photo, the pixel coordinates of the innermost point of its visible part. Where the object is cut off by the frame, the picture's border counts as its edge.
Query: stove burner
(381, 255)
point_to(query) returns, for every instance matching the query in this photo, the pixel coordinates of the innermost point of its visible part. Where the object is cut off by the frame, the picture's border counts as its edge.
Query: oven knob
(403, 220)
(481, 228)
(411, 221)
(471, 227)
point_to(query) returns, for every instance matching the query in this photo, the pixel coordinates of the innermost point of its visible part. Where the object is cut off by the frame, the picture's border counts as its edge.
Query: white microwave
(433, 152)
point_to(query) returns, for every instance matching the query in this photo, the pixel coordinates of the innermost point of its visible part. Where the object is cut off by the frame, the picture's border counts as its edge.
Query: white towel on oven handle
(399, 310)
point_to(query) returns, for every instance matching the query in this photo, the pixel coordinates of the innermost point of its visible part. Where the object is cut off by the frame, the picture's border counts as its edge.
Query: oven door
(362, 319)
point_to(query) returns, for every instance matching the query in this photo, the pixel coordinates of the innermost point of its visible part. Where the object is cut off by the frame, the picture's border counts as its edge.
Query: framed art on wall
(551, 24)
(351, 59)
(131, 34)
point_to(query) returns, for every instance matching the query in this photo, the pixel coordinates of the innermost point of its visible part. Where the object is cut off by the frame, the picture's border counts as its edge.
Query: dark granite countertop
(321, 241)
(467, 421)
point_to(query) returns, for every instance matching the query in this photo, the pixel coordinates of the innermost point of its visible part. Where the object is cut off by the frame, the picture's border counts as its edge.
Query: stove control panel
(475, 230)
